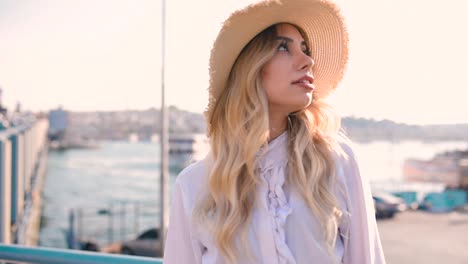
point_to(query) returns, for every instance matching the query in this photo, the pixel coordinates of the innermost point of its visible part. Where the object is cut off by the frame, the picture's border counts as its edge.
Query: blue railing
(22, 157)
(41, 255)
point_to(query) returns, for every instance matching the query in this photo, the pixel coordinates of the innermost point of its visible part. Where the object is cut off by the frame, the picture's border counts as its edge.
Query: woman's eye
(283, 46)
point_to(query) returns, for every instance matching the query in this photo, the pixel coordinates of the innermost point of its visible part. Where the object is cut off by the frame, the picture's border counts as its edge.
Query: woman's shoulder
(193, 179)
(345, 152)
(346, 162)
(193, 173)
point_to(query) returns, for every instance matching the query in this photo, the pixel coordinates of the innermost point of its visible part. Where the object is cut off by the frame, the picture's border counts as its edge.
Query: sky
(408, 61)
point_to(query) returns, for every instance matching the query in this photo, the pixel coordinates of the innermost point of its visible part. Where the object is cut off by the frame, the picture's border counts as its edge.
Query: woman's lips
(306, 81)
(305, 85)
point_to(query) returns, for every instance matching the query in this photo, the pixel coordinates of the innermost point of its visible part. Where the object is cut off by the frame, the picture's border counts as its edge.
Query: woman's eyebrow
(288, 39)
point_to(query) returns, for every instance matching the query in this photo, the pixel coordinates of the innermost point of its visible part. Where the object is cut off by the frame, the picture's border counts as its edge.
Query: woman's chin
(307, 102)
(303, 105)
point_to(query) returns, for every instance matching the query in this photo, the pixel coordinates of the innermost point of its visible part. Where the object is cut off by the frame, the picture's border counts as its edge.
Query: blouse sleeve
(180, 246)
(364, 245)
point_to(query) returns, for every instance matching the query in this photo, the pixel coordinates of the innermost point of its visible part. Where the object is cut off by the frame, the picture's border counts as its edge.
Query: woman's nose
(306, 62)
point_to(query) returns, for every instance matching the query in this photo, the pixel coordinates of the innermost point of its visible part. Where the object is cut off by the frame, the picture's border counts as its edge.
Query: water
(95, 178)
(122, 171)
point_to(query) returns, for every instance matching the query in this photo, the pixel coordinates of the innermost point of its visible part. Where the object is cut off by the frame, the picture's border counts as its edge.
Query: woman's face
(287, 78)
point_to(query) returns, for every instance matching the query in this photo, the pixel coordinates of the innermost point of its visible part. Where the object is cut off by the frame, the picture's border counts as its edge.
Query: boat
(73, 143)
(186, 148)
(449, 168)
(133, 138)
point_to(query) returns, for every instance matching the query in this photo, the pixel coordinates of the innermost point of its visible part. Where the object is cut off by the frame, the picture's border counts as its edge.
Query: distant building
(463, 165)
(58, 123)
(18, 107)
(3, 110)
(449, 168)
(4, 122)
(437, 170)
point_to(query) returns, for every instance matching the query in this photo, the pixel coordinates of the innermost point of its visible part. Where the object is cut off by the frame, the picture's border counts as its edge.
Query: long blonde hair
(238, 126)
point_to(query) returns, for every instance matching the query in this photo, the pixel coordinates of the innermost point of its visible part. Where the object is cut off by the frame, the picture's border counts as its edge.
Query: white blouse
(283, 230)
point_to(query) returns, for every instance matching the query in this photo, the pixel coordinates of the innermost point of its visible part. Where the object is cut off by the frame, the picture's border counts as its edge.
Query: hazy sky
(408, 58)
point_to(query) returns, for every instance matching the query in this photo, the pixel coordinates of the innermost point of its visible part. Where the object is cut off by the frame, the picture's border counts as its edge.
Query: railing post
(79, 232)
(27, 161)
(110, 230)
(71, 239)
(122, 220)
(5, 191)
(17, 184)
(136, 217)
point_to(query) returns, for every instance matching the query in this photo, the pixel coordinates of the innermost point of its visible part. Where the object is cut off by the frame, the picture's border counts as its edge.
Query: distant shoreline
(118, 125)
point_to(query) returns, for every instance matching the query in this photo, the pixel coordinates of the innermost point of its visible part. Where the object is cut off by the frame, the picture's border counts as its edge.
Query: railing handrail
(42, 255)
(10, 131)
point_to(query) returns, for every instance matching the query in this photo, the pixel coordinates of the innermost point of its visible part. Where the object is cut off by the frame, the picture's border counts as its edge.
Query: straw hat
(320, 19)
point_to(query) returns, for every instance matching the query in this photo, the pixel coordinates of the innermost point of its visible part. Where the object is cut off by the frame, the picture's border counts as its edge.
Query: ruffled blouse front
(272, 168)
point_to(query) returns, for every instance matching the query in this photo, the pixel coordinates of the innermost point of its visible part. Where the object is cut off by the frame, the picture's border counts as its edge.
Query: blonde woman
(281, 183)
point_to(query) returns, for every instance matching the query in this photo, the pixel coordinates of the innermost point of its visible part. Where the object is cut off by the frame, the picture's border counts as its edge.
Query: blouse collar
(275, 153)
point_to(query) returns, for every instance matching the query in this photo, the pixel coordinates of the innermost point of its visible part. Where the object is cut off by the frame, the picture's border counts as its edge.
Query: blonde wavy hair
(238, 126)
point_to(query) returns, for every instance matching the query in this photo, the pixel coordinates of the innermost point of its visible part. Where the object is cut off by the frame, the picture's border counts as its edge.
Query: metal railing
(120, 220)
(22, 150)
(41, 255)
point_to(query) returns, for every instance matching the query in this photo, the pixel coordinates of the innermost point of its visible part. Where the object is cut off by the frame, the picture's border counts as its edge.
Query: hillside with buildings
(118, 125)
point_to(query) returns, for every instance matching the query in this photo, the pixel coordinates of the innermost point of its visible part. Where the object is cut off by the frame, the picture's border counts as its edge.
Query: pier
(23, 160)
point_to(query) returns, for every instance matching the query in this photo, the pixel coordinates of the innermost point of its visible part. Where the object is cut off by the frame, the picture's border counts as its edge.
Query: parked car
(387, 205)
(147, 244)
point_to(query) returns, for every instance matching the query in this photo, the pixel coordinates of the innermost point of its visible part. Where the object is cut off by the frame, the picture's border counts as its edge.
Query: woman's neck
(278, 124)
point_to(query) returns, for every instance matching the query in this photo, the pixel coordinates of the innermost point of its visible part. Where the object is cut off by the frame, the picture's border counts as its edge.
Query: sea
(111, 193)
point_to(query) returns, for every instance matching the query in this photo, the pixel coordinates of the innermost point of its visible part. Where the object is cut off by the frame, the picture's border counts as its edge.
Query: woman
(280, 184)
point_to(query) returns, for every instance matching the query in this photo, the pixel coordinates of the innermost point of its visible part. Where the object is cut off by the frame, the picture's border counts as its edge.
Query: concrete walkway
(429, 238)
